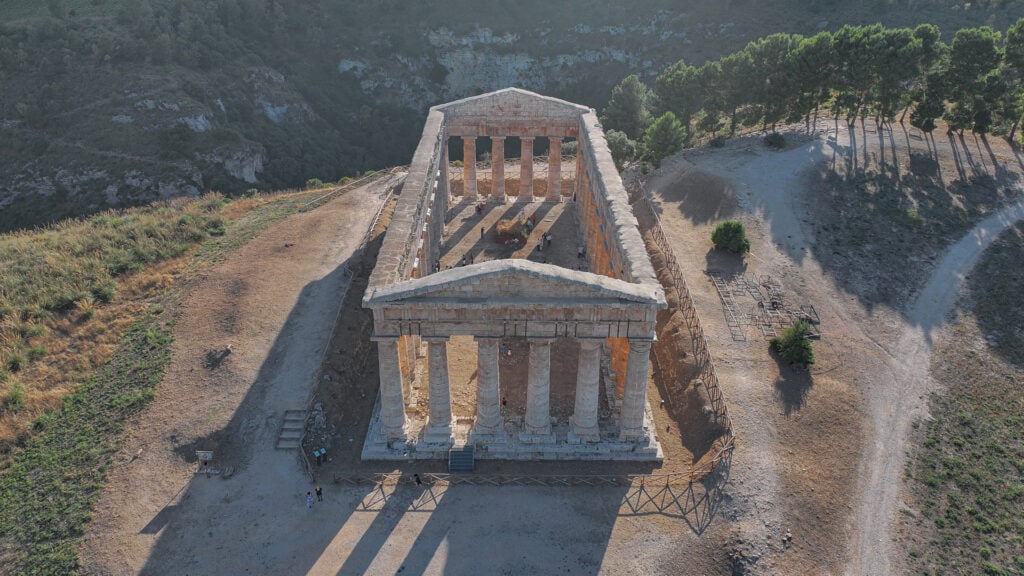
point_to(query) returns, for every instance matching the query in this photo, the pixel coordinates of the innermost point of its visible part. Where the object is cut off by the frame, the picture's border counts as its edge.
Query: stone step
(289, 443)
(461, 459)
(293, 427)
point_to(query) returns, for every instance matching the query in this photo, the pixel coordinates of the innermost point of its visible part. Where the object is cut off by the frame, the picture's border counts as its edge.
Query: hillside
(118, 102)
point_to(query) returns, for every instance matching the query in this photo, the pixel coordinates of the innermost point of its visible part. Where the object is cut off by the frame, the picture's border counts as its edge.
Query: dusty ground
(267, 300)
(819, 453)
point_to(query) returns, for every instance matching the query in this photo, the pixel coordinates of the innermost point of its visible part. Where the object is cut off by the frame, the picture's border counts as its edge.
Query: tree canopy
(972, 83)
(627, 110)
(663, 138)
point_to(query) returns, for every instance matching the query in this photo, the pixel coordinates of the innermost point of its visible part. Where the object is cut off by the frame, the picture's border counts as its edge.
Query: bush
(775, 140)
(793, 346)
(622, 148)
(731, 236)
(717, 142)
(14, 399)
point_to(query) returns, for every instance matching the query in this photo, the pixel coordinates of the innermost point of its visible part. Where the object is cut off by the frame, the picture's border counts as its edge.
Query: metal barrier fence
(701, 349)
(351, 185)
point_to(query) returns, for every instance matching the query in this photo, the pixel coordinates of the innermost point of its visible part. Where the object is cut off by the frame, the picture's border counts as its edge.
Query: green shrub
(775, 140)
(731, 236)
(13, 399)
(621, 147)
(793, 346)
(16, 361)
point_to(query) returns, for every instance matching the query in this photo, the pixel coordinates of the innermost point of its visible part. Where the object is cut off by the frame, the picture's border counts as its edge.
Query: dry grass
(968, 497)
(70, 292)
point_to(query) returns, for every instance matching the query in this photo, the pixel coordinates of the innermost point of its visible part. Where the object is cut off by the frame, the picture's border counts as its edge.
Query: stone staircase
(461, 459)
(292, 430)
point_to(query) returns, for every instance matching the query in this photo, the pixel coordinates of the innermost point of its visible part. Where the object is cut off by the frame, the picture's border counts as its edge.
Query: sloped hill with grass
(86, 312)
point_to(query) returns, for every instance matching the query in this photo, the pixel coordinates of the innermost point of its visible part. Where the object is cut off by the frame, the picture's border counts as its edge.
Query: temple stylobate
(523, 329)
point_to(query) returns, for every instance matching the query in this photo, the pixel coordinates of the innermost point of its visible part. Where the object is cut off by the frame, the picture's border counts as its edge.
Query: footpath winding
(902, 397)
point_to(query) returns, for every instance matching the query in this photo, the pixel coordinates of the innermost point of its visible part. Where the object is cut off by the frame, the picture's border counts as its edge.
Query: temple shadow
(246, 445)
(696, 503)
(455, 538)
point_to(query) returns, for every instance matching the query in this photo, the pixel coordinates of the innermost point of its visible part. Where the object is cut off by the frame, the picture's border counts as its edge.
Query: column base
(438, 435)
(396, 434)
(537, 437)
(633, 434)
(489, 437)
(583, 435)
(481, 430)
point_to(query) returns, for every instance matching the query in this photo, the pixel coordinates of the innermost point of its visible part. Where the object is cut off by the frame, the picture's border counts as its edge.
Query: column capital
(486, 338)
(590, 343)
(497, 137)
(435, 338)
(528, 138)
(640, 344)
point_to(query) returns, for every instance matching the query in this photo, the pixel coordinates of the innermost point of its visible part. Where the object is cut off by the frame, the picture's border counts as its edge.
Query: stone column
(538, 393)
(634, 397)
(578, 184)
(498, 168)
(469, 167)
(439, 421)
(444, 182)
(526, 169)
(555, 169)
(588, 379)
(488, 408)
(392, 402)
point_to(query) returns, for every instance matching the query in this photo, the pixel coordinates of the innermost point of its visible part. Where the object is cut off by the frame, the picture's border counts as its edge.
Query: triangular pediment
(511, 102)
(514, 279)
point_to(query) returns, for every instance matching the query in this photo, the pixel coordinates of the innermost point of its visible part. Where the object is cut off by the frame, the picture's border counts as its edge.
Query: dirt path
(274, 301)
(904, 394)
(845, 435)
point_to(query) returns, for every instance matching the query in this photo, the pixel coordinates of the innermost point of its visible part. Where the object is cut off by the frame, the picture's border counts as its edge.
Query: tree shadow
(727, 265)
(792, 386)
(865, 219)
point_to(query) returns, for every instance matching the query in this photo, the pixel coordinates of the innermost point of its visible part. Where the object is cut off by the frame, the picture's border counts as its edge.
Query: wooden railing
(701, 350)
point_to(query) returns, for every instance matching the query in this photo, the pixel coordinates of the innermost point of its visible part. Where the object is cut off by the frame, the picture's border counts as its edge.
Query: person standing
(319, 494)
(309, 499)
(547, 238)
(481, 232)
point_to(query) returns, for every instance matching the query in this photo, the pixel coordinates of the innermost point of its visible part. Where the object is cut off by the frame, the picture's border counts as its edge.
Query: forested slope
(115, 102)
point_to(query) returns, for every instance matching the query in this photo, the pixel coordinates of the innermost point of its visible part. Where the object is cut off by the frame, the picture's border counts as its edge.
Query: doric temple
(556, 321)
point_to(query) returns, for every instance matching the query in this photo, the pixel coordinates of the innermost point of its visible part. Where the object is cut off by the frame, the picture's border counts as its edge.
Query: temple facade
(605, 308)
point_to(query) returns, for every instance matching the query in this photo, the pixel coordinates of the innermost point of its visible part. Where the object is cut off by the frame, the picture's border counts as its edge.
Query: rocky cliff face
(320, 90)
